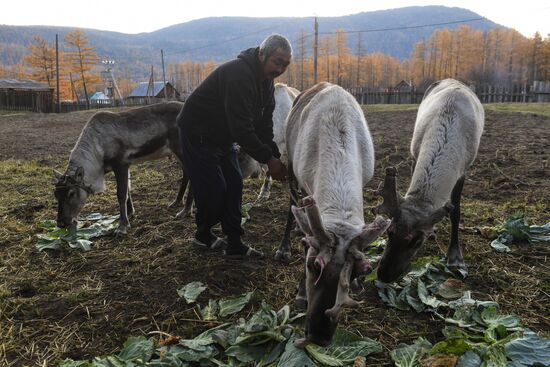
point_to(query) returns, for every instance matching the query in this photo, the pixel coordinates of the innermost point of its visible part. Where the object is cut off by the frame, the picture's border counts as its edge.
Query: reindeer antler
(390, 205)
(371, 232)
(315, 220)
(342, 295)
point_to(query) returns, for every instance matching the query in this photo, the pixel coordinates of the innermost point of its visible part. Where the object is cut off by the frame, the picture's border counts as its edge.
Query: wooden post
(163, 76)
(58, 104)
(315, 51)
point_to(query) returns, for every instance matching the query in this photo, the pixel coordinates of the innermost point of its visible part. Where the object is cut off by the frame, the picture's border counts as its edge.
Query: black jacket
(233, 105)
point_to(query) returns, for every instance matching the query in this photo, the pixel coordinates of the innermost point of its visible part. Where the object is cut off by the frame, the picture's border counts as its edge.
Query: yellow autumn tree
(41, 59)
(545, 59)
(82, 59)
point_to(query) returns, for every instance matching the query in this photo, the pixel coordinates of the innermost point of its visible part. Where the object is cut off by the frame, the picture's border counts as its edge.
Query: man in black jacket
(234, 104)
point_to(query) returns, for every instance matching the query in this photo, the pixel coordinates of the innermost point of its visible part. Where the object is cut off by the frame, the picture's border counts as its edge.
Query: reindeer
(445, 141)
(331, 155)
(112, 142)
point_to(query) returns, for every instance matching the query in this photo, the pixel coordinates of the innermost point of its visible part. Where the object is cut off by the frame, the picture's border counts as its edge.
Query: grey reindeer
(112, 142)
(444, 145)
(331, 155)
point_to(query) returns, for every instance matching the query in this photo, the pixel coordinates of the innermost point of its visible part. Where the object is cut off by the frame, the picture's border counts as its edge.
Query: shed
(25, 95)
(99, 98)
(404, 86)
(405, 92)
(143, 92)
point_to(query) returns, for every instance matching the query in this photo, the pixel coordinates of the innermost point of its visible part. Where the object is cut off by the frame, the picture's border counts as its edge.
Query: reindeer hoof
(264, 195)
(300, 303)
(183, 213)
(175, 204)
(283, 256)
(459, 263)
(121, 231)
(458, 266)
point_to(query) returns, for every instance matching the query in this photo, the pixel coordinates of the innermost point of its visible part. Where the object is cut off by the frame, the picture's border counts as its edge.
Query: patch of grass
(389, 107)
(12, 113)
(25, 181)
(542, 109)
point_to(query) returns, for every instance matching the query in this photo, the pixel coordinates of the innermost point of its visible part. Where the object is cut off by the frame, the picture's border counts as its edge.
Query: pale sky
(135, 16)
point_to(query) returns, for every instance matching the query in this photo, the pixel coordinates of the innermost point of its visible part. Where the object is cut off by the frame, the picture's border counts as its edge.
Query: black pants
(217, 184)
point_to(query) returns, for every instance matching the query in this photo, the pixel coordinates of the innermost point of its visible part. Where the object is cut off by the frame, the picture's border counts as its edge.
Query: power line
(407, 27)
(324, 33)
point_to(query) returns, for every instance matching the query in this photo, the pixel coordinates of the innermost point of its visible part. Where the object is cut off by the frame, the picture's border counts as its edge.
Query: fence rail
(73, 106)
(537, 92)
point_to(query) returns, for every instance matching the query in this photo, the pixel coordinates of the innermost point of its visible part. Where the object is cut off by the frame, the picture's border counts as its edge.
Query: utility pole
(359, 51)
(109, 77)
(302, 56)
(315, 50)
(163, 75)
(150, 86)
(58, 105)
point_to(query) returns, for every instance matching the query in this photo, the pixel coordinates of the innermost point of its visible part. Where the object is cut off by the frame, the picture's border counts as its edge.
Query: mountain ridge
(393, 32)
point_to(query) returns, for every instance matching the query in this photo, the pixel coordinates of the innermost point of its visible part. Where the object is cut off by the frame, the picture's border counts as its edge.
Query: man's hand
(276, 169)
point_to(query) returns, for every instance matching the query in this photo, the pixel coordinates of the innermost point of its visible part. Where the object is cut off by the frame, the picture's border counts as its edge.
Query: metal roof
(23, 84)
(99, 96)
(141, 90)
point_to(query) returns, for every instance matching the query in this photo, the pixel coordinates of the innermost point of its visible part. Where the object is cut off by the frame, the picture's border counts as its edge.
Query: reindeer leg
(121, 175)
(129, 204)
(188, 206)
(454, 254)
(301, 297)
(266, 188)
(176, 149)
(283, 254)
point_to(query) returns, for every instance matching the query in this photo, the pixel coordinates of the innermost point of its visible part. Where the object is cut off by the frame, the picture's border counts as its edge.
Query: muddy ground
(69, 304)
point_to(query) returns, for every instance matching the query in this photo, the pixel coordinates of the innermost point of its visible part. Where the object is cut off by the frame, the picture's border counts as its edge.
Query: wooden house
(146, 93)
(25, 95)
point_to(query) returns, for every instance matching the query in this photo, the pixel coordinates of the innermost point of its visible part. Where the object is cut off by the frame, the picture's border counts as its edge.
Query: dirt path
(66, 304)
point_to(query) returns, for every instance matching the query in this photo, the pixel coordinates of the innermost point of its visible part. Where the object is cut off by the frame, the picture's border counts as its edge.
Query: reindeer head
(331, 264)
(71, 195)
(409, 228)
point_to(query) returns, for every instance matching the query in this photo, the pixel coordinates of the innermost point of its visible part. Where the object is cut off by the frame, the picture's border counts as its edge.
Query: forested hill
(392, 32)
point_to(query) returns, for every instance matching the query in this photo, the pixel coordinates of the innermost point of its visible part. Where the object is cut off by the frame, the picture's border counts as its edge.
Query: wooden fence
(95, 105)
(537, 92)
(385, 96)
(42, 101)
(26, 100)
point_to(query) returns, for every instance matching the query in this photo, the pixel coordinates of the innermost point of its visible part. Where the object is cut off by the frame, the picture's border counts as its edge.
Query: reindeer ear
(57, 176)
(435, 217)
(79, 175)
(301, 219)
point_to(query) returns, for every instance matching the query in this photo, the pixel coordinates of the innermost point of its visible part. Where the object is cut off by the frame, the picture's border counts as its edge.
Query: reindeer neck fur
(284, 96)
(332, 155)
(87, 154)
(445, 141)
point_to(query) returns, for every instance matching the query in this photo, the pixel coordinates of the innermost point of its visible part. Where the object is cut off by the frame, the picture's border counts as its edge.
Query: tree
(41, 60)
(537, 60)
(343, 57)
(82, 60)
